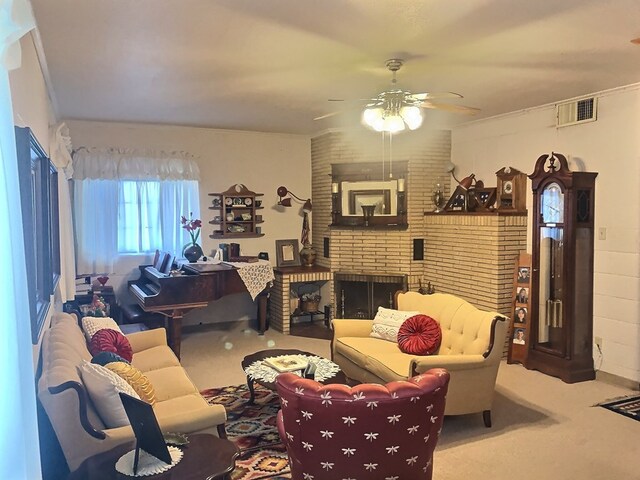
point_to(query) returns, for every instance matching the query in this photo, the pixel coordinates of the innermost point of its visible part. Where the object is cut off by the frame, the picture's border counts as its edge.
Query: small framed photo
(524, 274)
(518, 336)
(523, 295)
(287, 253)
(520, 315)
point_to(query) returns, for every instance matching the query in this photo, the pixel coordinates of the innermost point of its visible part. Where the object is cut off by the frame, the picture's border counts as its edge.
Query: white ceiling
(271, 65)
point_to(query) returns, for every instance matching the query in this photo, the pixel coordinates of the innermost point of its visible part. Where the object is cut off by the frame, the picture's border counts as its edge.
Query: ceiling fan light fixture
(370, 116)
(393, 124)
(412, 116)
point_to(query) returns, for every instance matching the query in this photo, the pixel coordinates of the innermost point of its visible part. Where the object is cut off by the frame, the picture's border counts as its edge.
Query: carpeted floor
(542, 427)
(253, 429)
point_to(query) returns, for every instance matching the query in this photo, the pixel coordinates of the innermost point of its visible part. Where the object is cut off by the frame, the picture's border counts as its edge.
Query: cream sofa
(471, 350)
(80, 431)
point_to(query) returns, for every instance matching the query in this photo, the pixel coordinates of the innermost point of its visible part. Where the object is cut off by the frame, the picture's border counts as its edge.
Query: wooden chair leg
(486, 416)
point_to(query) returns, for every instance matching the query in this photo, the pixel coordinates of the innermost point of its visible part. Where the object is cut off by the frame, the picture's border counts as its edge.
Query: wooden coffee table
(339, 377)
(205, 457)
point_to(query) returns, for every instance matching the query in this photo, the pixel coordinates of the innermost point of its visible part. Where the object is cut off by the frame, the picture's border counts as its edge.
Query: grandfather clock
(562, 271)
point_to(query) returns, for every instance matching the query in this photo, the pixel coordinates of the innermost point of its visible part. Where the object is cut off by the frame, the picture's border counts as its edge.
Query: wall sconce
(307, 254)
(285, 201)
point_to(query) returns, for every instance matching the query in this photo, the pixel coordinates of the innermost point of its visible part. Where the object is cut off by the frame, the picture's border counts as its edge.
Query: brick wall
(472, 256)
(374, 250)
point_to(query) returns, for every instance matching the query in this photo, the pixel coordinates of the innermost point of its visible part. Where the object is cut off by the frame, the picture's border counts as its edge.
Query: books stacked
(286, 363)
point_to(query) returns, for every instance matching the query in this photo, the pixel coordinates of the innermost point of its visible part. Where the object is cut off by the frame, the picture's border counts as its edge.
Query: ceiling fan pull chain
(383, 144)
(391, 155)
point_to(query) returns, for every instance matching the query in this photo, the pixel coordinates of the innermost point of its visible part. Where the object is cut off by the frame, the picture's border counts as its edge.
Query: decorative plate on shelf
(248, 201)
(229, 201)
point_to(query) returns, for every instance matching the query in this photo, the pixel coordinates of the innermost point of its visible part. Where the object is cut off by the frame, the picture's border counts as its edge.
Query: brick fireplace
(469, 255)
(359, 296)
(378, 250)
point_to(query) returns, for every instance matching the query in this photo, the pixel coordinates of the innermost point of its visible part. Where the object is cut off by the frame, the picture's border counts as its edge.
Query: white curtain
(108, 223)
(19, 451)
(60, 153)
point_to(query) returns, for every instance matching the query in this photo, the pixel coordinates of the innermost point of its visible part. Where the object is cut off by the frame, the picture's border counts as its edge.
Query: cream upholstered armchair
(368, 431)
(470, 350)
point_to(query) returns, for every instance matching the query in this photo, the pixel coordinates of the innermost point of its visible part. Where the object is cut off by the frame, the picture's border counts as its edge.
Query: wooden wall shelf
(237, 213)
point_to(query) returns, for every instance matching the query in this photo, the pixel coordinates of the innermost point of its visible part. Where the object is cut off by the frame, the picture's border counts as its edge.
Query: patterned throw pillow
(136, 379)
(104, 387)
(90, 325)
(107, 340)
(387, 323)
(102, 358)
(419, 335)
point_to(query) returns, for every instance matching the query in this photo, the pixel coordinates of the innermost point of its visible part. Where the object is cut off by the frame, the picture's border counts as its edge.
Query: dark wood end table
(206, 457)
(339, 377)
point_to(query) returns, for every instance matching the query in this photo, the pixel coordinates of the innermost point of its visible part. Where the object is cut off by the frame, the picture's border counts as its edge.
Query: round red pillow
(107, 340)
(419, 335)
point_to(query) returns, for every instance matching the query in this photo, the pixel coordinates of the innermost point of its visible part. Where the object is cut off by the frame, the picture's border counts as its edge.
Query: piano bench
(133, 313)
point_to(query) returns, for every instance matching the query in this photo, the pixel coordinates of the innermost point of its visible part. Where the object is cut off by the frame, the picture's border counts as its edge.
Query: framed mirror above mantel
(369, 195)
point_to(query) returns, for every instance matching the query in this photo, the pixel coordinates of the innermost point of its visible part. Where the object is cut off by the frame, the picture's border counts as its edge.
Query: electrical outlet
(602, 233)
(598, 342)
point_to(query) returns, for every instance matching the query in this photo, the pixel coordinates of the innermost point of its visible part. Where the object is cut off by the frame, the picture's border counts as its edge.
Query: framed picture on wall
(287, 253)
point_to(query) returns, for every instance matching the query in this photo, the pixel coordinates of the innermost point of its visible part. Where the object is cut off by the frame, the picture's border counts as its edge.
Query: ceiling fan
(392, 109)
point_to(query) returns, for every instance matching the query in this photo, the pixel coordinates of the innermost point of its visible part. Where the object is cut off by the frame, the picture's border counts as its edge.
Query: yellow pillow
(136, 379)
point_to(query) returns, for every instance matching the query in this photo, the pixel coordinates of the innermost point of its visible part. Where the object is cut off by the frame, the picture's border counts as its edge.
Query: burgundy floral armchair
(381, 432)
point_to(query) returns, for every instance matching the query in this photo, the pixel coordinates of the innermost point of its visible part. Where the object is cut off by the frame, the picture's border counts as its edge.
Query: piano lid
(205, 267)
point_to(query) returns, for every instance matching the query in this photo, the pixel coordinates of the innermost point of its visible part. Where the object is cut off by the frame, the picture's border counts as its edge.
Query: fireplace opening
(359, 295)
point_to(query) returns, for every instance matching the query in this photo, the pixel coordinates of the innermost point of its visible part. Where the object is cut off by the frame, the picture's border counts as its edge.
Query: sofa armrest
(147, 339)
(448, 362)
(345, 327)
(194, 420)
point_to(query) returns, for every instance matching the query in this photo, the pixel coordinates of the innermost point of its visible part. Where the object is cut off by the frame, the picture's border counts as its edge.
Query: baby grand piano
(198, 284)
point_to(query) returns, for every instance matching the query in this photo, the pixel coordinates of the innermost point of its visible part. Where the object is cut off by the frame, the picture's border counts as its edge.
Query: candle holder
(438, 198)
(367, 213)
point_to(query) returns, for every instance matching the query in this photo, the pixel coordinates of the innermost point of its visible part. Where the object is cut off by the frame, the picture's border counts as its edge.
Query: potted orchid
(192, 251)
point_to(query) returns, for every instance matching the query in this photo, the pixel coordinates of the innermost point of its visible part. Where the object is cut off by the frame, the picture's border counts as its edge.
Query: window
(127, 203)
(139, 217)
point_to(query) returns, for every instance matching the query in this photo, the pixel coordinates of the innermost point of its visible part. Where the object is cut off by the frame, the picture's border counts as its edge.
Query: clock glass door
(551, 324)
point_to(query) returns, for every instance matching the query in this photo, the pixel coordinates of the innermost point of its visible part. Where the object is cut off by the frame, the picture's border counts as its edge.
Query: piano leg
(175, 331)
(262, 312)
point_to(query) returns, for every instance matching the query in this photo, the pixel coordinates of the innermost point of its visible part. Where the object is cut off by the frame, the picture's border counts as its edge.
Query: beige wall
(32, 108)
(609, 146)
(31, 105)
(261, 161)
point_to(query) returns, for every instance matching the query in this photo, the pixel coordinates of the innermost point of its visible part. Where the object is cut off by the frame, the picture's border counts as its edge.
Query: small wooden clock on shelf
(511, 190)
(236, 215)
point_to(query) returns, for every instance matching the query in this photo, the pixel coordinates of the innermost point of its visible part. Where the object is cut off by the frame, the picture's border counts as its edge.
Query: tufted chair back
(368, 431)
(465, 329)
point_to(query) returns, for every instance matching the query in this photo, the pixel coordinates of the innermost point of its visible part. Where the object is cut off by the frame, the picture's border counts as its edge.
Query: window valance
(127, 164)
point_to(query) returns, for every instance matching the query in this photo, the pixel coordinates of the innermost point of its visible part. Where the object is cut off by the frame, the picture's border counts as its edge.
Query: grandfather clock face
(552, 204)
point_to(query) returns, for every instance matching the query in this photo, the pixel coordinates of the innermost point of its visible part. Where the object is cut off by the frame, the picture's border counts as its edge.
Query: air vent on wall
(577, 111)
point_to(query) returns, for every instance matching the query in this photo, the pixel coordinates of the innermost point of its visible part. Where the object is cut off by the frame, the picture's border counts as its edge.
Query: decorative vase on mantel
(193, 252)
(307, 255)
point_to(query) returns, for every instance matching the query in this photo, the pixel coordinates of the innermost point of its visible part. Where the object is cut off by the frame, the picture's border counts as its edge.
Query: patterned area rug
(627, 406)
(253, 429)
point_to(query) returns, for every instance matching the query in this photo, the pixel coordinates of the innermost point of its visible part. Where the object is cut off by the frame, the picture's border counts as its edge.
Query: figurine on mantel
(429, 290)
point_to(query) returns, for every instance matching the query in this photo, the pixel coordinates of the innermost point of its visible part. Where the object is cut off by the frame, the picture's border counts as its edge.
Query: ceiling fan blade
(430, 95)
(451, 108)
(321, 117)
